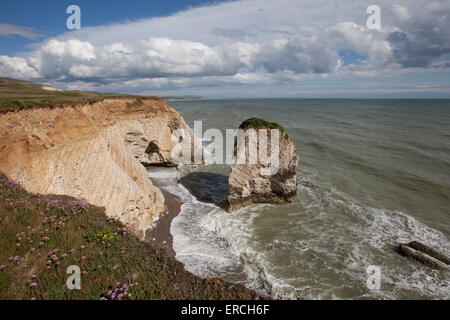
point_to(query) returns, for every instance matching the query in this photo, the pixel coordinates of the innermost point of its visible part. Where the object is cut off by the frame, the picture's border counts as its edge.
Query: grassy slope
(42, 235)
(18, 94)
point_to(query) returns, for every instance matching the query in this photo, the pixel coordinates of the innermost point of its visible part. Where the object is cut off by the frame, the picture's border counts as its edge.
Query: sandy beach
(159, 235)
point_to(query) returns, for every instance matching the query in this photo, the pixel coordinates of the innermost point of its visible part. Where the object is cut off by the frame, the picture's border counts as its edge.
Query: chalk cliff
(95, 151)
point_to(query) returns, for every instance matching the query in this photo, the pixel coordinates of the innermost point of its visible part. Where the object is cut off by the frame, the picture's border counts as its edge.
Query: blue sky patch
(352, 57)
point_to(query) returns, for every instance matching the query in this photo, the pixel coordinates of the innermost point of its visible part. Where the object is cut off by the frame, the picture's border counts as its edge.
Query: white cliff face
(93, 151)
(250, 183)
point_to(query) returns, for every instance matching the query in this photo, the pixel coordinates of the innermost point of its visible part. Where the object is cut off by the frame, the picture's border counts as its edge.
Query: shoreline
(159, 236)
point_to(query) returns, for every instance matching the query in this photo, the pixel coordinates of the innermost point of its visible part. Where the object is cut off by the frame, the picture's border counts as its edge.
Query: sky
(232, 49)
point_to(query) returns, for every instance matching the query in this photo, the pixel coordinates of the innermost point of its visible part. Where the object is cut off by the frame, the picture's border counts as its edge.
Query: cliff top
(16, 95)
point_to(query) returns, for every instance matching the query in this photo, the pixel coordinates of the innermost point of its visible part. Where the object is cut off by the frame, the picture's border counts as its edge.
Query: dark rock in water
(429, 251)
(261, 181)
(421, 257)
(206, 186)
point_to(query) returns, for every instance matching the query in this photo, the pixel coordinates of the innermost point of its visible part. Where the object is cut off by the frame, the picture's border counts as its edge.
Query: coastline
(159, 236)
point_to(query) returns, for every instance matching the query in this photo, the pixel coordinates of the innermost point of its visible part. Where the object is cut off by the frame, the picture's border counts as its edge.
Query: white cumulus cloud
(242, 42)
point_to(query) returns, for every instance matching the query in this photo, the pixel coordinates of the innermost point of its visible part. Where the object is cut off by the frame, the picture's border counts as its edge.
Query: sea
(372, 174)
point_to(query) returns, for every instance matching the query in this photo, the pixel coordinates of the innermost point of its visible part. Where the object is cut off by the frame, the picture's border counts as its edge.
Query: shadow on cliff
(207, 187)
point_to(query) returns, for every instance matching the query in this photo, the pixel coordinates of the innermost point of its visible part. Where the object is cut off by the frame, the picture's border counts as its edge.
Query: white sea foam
(337, 240)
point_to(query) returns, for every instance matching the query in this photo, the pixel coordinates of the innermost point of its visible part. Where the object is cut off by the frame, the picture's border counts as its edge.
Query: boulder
(262, 180)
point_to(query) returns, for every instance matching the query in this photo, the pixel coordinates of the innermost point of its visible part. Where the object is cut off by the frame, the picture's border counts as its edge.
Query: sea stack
(262, 180)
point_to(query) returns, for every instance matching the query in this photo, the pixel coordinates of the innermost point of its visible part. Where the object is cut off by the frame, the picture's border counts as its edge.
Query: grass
(261, 123)
(42, 235)
(16, 95)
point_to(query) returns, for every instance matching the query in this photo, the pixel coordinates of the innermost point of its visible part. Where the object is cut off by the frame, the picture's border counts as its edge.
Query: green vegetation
(16, 95)
(42, 235)
(137, 103)
(261, 123)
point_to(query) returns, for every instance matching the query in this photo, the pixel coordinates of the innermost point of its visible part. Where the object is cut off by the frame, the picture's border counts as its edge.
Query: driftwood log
(424, 254)
(429, 251)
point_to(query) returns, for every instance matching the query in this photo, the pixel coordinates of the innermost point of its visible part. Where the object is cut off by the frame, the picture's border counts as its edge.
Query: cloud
(245, 42)
(402, 12)
(15, 67)
(423, 37)
(13, 30)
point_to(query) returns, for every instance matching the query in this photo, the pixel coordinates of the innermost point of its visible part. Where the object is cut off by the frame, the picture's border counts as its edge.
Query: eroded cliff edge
(93, 150)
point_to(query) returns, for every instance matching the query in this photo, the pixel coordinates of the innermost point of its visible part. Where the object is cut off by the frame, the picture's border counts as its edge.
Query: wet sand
(160, 236)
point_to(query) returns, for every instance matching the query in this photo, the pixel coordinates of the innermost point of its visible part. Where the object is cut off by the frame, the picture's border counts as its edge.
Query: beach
(166, 179)
(159, 236)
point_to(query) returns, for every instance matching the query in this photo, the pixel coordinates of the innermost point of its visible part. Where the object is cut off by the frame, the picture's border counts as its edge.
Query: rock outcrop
(262, 180)
(94, 150)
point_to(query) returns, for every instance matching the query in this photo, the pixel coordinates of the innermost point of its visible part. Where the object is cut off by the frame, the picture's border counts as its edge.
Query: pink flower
(34, 284)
